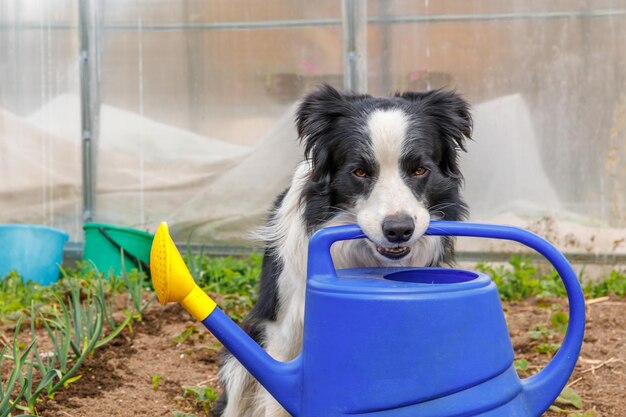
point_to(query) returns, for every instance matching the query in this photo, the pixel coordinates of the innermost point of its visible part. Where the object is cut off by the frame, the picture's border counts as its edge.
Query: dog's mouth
(395, 253)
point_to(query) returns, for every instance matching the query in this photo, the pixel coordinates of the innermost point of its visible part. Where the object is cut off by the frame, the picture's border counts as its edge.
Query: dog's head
(389, 164)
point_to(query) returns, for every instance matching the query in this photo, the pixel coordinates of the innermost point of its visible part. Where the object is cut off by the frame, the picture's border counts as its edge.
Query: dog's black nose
(398, 228)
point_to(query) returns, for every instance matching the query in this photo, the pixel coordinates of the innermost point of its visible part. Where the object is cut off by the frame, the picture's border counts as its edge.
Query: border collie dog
(388, 164)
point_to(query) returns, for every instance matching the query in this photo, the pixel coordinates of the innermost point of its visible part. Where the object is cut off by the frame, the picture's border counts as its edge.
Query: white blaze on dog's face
(391, 215)
(389, 164)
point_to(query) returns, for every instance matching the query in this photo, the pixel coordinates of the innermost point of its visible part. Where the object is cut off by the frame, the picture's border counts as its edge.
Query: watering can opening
(432, 276)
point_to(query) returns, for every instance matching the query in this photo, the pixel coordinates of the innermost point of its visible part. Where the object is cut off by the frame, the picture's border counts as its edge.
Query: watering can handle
(539, 390)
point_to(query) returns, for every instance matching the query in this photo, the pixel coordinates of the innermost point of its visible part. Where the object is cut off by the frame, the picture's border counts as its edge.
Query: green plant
(559, 321)
(16, 296)
(203, 396)
(77, 327)
(7, 405)
(547, 348)
(237, 306)
(569, 397)
(521, 279)
(540, 332)
(72, 313)
(614, 283)
(185, 334)
(32, 393)
(108, 308)
(520, 364)
(86, 281)
(135, 285)
(195, 262)
(104, 293)
(155, 381)
(236, 278)
(226, 275)
(182, 414)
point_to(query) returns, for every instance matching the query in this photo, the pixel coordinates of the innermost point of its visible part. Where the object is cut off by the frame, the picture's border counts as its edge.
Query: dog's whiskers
(344, 211)
(441, 206)
(438, 213)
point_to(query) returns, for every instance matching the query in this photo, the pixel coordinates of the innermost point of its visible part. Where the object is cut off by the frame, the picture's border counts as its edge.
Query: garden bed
(118, 380)
(165, 363)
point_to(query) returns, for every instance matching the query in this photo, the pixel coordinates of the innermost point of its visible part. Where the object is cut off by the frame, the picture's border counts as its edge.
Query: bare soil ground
(117, 381)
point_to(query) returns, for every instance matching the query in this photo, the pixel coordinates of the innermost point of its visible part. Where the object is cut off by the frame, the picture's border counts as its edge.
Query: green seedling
(16, 296)
(182, 414)
(60, 331)
(540, 332)
(203, 396)
(46, 372)
(16, 381)
(103, 294)
(185, 334)
(569, 397)
(520, 364)
(135, 283)
(237, 306)
(88, 346)
(95, 288)
(559, 321)
(226, 275)
(195, 263)
(155, 381)
(521, 279)
(74, 325)
(77, 328)
(213, 347)
(547, 348)
(613, 284)
(100, 292)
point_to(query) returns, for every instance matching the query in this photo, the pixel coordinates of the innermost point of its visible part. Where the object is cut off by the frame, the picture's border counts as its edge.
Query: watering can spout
(173, 283)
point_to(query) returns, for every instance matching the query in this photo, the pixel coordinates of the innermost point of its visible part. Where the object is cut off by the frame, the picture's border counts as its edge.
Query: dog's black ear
(316, 115)
(451, 114)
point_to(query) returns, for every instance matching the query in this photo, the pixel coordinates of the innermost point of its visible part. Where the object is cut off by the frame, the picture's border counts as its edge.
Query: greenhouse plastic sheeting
(214, 185)
(193, 108)
(221, 191)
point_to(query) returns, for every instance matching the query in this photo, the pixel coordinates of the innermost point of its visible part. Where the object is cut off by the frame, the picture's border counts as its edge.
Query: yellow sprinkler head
(171, 278)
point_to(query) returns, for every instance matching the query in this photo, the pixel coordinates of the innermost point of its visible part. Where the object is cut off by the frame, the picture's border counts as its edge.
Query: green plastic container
(105, 243)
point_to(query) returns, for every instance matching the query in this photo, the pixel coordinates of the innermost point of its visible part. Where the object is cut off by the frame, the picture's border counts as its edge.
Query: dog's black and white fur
(388, 164)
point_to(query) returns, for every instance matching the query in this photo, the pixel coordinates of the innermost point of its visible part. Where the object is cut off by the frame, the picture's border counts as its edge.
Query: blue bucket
(34, 251)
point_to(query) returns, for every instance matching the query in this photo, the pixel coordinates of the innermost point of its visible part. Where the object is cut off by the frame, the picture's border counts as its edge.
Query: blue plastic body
(400, 342)
(34, 251)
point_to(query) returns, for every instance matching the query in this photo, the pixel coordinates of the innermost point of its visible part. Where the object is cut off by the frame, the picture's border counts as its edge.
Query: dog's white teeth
(394, 253)
(397, 249)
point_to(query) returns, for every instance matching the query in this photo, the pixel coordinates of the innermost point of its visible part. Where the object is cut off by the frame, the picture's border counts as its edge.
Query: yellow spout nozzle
(172, 280)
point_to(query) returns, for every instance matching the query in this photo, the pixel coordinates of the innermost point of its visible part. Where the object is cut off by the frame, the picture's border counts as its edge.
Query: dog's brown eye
(420, 171)
(360, 173)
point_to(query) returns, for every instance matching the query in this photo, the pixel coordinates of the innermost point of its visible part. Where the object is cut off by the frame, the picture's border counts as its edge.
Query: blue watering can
(393, 342)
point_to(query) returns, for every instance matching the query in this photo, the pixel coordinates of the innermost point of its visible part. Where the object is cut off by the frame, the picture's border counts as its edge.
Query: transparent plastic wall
(196, 101)
(197, 109)
(547, 83)
(40, 168)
